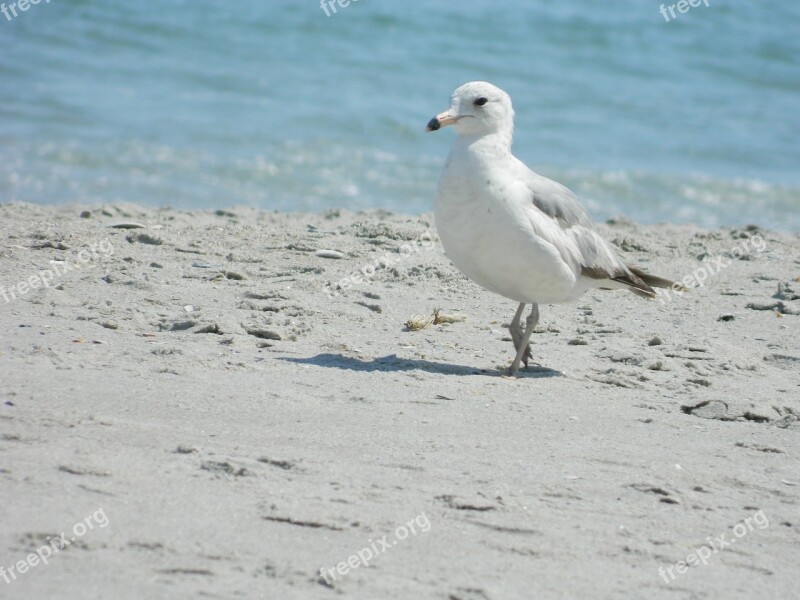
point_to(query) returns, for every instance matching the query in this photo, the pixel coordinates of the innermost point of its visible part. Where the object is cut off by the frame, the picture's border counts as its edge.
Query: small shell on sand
(127, 225)
(328, 254)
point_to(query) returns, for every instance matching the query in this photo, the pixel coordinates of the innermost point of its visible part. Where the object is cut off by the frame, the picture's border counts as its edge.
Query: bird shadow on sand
(392, 363)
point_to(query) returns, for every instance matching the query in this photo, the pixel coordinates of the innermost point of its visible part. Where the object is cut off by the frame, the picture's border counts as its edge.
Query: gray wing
(579, 244)
(557, 201)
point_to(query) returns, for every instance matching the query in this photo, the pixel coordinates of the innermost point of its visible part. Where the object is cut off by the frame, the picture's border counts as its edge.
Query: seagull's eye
(481, 101)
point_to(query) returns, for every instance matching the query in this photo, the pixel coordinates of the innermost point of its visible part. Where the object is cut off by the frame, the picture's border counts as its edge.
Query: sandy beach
(230, 404)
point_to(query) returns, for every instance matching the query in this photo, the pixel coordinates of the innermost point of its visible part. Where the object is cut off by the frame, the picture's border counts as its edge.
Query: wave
(322, 174)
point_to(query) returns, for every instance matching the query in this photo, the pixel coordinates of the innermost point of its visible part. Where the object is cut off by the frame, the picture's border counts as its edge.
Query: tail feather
(654, 281)
(632, 278)
(634, 283)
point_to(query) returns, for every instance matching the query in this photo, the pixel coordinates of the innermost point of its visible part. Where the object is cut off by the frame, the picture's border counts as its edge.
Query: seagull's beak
(441, 120)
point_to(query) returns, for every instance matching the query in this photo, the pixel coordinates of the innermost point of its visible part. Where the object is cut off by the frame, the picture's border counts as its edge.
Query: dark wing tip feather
(638, 281)
(634, 282)
(655, 280)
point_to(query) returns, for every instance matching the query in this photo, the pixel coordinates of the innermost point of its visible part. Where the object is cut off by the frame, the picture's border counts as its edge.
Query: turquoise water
(273, 104)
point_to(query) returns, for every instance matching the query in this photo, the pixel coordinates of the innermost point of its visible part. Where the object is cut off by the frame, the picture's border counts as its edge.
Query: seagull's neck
(496, 143)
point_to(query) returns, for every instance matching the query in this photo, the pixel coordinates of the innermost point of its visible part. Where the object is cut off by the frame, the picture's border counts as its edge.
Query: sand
(220, 404)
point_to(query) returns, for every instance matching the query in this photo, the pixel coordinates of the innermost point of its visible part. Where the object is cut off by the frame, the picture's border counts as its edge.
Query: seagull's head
(476, 108)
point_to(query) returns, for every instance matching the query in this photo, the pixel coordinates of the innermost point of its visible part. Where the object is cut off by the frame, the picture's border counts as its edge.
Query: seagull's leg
(513, 329)
(523, 348)
(516, 334)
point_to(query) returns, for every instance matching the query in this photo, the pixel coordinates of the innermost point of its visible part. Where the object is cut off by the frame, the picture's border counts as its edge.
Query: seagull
(512, 231)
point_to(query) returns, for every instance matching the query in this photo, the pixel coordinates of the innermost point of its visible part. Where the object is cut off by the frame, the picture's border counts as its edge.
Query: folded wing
(558, 216)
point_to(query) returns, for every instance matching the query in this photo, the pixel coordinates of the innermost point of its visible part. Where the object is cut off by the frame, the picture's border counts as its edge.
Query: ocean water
(274, 104)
